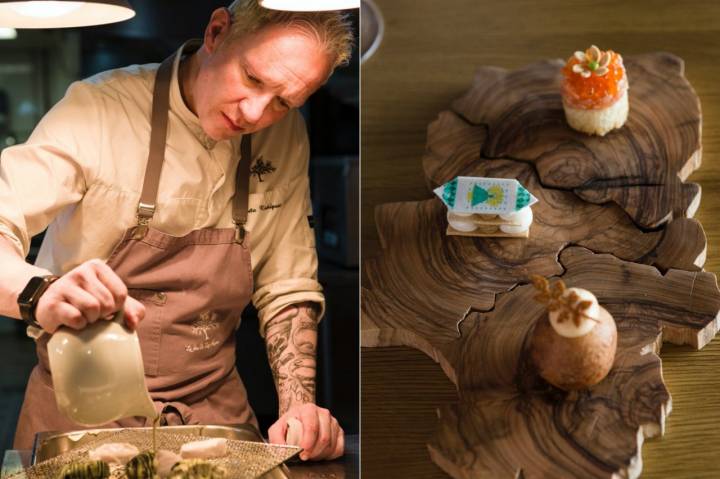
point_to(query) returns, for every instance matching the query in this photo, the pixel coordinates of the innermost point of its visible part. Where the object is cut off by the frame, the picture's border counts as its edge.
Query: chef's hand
(322, 436)
(85, 294)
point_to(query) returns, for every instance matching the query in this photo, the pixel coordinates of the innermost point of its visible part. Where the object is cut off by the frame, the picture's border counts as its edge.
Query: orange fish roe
(596, 91)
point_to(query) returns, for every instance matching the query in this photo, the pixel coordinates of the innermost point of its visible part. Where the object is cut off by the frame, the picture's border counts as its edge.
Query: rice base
(598, 121)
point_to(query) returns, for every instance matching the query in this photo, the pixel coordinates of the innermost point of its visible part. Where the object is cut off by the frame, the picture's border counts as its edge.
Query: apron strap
(242, 188)
(158, 137)
(156, 155)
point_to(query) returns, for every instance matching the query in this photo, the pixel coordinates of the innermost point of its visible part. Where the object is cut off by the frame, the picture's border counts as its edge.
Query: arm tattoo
(291, 339)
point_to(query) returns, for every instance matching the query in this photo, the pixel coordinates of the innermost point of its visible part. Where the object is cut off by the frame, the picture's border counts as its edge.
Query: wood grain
(456, 147)
(510, 422)
(428, 59)
(640, 166)
(506, 408)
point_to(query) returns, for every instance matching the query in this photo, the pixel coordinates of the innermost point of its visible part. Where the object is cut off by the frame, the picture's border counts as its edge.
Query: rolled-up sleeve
(51, 170)
(288, 275)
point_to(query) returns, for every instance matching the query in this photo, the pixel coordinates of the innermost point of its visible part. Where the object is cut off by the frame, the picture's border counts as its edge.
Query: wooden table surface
(427, 59)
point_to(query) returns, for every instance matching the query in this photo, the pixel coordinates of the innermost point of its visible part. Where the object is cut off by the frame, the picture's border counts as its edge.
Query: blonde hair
(333, 30)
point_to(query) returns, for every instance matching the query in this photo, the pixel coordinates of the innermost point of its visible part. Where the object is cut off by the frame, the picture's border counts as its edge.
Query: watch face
(32, 287)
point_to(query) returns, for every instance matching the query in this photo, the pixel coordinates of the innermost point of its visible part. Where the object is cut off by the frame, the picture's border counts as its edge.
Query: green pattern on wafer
(522, 199)
(449, 192)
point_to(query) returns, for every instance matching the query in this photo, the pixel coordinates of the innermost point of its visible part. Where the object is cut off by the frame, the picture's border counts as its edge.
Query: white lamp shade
(63, 13)
(309, 5)
(8, 33)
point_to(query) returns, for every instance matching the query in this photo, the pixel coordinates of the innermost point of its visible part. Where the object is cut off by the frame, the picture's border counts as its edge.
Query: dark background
(35, 70)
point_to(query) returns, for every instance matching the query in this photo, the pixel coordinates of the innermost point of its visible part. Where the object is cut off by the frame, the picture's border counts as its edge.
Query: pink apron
(194, 289)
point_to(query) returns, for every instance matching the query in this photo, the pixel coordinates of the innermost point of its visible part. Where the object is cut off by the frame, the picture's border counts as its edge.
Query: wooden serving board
(641, 167)
(466, 302)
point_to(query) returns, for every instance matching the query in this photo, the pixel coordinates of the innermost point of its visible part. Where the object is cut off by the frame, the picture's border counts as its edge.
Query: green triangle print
(479, 195)
(449, 192)
(523, 197)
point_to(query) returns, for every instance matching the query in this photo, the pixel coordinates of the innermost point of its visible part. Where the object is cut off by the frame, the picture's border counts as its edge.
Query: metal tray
(50, 444)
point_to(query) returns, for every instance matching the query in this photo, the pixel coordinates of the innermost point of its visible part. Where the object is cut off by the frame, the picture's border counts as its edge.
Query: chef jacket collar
(177, 104)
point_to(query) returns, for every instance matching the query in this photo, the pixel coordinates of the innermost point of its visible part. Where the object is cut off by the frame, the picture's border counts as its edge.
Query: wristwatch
(28, 298)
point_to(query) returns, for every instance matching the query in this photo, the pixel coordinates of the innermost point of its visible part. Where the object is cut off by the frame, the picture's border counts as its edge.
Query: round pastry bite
(461, 222)
(574, 345)
(513, 229)
(523, 216)
(521, 219)
(594, 91)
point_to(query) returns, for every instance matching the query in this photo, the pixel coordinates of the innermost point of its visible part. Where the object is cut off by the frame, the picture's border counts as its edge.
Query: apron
(194, 289)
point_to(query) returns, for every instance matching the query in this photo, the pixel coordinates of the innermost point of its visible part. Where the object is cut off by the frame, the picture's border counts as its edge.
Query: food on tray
(164, 462)
(573, 346)
(85, 470)
(197, 469)
(294, 432)
(141, 466)
(594, 91)
(114, 453)
(204, 449)
(148, 465)
(480, 206)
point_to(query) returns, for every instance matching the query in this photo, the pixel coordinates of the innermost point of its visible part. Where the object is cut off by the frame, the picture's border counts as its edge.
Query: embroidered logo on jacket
(203, 326)
(261, 168)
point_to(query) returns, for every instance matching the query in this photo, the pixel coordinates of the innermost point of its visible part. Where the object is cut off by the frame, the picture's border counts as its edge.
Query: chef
(179, 192)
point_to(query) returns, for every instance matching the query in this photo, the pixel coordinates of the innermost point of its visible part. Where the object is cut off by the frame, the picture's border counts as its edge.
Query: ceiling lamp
(63, 13)
(8, 33)
(310, 5)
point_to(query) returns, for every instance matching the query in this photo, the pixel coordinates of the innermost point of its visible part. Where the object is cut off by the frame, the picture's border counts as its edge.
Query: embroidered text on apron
(194, 289)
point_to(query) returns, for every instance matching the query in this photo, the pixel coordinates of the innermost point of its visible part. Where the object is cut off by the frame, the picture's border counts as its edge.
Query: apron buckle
(145, 213)
(239, 233)
(141, 228)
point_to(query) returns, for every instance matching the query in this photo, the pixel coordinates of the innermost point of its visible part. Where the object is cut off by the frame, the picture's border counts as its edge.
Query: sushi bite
(148, 465)
(595, 91)
(164, 462)
(141, 466)
(205, 449)
(85, 470)
(294, 432)
(114, 453)
(197, 469)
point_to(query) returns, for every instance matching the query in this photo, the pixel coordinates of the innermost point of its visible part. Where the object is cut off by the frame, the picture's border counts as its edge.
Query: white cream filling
(513, 229)
(521, 221)
(458, 222)
(567, 328)
(523, 217)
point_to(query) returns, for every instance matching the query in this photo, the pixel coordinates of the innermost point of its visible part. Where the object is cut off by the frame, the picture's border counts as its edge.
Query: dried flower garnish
(592, 60)
(568, 305)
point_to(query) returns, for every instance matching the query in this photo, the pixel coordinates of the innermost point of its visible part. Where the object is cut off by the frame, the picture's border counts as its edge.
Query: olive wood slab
(510, 422)
(641, 166)
(612, 218)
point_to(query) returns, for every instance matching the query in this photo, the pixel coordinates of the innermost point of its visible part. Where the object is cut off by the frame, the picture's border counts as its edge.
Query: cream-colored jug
(98, 373)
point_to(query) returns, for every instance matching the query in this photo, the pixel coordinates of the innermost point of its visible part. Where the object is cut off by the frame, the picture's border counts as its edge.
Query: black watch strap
(28, 298)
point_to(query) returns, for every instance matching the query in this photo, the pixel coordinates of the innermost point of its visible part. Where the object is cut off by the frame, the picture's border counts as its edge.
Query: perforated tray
(51, 444)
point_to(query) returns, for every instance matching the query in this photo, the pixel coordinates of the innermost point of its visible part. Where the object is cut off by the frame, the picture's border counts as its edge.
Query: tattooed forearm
(291, 339)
